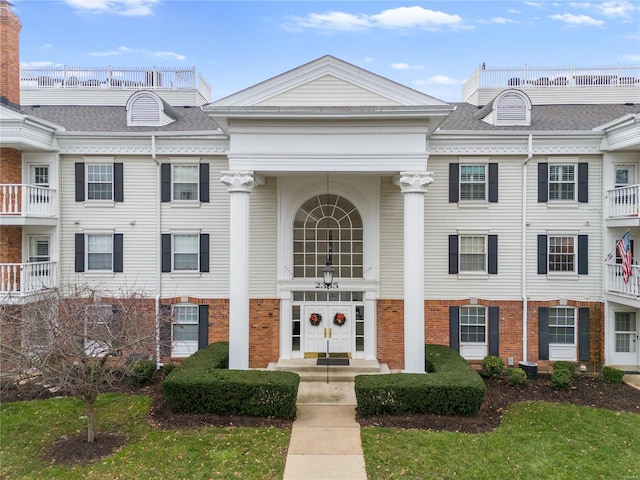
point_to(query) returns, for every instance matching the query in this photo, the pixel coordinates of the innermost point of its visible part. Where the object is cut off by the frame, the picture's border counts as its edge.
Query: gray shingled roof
(543, 117)
(114, 119)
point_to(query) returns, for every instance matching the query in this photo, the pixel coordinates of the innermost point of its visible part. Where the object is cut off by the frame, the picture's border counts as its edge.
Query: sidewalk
(325, 438)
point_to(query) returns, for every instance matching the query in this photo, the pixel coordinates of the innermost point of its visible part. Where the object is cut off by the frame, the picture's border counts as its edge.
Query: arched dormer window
(512, 107)
(146, 109)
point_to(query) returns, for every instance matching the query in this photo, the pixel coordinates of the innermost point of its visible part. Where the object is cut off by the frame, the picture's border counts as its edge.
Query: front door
(627, 331)
(339, 337)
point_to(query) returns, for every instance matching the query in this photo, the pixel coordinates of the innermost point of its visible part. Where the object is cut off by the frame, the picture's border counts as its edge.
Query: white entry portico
(330, 129)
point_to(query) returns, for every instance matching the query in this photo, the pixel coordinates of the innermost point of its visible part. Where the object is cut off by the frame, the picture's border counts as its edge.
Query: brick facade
(264, 332)
(390, 323)
(9, 55)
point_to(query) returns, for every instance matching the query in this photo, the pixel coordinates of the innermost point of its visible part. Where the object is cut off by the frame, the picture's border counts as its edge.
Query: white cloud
(439, 80)
(175, 56)
(631, 57)
(395, 18)
(117, 7)
(502, 20)
(617, 9)
(406, 66)
(577, 20)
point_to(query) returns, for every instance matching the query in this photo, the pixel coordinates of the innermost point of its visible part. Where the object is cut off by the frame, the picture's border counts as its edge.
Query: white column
(239, 185)
(413, 185)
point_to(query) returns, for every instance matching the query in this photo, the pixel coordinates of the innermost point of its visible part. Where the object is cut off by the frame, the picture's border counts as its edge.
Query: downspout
(523, 268)
(158, 250)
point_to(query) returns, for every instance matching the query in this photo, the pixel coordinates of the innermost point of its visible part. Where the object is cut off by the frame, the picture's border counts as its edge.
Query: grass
(29, 428)
(536, 440)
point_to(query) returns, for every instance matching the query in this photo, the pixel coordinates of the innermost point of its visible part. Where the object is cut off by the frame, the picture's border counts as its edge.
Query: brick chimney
(10, 27)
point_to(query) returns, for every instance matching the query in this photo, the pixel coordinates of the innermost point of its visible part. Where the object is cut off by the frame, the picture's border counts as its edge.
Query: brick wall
(9, 54)
(390, 333)
(264, 332)
(10, 244)
(11, 161)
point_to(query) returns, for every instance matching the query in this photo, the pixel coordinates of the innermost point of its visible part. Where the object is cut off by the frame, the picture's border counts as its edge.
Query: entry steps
(310, 371)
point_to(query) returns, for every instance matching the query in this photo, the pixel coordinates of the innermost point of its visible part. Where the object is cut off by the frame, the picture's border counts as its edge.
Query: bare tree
(80, 340)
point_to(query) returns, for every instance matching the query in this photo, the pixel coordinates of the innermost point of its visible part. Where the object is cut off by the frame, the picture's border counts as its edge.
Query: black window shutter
(204, 252)
(492, 261)
(79, 182)
(79, 250)
(583, 182)
(454, 328)
(543, 182)
(543, 333)
(204, 182)
(494, 331)
(493, 182)
(453, 253)
(165, 330)
(203, 326)
(583, 254)
(118, 252)
(118, 182)
(542, 254)
(583, 334)
(165, 180)
(454, 182)
(166, 252)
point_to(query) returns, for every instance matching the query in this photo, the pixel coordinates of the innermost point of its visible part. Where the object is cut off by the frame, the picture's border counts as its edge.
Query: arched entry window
(327, 228)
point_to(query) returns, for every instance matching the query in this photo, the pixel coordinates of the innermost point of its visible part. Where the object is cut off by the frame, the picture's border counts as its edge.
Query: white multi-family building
(489, 224)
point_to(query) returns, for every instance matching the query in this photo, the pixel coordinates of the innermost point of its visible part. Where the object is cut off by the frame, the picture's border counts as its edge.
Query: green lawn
(535, 441)
(28, 428)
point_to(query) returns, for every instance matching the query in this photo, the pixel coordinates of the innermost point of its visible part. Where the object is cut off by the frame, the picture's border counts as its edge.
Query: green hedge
(454, 388)
(201, 385)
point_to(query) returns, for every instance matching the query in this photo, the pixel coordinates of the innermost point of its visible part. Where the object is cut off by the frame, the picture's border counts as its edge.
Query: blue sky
(430, 46)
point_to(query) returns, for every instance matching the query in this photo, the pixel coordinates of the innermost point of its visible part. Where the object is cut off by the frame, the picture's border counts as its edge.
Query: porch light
(327, 275)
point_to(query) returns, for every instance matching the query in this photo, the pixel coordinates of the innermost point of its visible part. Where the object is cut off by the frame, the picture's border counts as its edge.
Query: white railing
(28, 201)
(616, 283)
(108, 77)
(552, 77)
(26, 278)
(624, 202)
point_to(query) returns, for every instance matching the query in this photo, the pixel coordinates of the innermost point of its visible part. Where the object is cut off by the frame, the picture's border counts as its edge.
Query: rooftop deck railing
(18, 200)
(613, 76)
(109, 77)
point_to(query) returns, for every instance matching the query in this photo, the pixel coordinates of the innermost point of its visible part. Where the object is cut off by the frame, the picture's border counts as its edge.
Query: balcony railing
(613, 76)
(20, 200)
(624, 202)
(27, 278)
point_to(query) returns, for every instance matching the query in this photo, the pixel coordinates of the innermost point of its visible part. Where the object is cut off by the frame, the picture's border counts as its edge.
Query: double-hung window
(474, 330)
(185, 252)
(473, 182)
(561, 254)
(562, 182)
(185, 182)
(563, 333)
(562, 326)
(473, 253)
(473, 325)
(100, 182)
(99, 252)
(184, 330)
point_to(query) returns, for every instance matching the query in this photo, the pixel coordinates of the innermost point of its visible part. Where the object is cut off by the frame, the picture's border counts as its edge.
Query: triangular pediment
(328, 81)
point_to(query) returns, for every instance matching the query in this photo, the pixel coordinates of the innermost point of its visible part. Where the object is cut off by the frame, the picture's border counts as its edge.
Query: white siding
(262, 264)
(391, 240)
(325, 91)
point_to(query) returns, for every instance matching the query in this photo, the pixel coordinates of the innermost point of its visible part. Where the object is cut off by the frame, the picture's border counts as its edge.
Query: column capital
(241, 181)
(413, 182)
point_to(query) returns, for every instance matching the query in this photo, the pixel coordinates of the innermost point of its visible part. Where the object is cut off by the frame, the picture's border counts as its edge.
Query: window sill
(185, 204)
(561, 204)
(473, 276)
(185, 274)
(474, 204)
(563, 276)
(99, 273)
(99, 203)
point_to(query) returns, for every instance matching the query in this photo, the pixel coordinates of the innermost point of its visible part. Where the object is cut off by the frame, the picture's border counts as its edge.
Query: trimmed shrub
(454, 388)
(612, 375)
(141, 371)
(203, 384)
(561, 379)
(566, 366)
(168, 368)
(516, 377)
(492, 367)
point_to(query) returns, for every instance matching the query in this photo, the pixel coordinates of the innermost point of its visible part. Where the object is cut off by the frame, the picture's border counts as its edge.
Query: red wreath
(315, 319)
(339, 319)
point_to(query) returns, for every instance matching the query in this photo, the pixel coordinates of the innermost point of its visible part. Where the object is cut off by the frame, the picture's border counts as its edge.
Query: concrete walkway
(325, 438)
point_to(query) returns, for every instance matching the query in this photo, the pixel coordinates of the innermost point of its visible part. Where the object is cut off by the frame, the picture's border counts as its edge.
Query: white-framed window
(100, 332)
(39, 248)
(562, 182)
(40, 175)
(562, 254)
(625, 175)
(473, 325)
(185, 182)
(99, 181)
(562, 326)
(473, 253)
(186, 250)
(99, 252)
(473, 182)
(184, 330)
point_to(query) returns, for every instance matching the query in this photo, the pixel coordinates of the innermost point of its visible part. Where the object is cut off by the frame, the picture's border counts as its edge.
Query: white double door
(339, 338)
